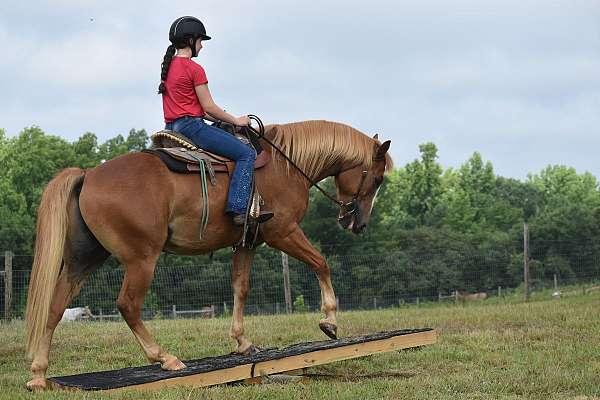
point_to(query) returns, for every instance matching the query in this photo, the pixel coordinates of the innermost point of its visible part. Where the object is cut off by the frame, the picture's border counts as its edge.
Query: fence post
(174, 308)
(555, 282)
(286, 283)
(526, 259)
(499, 291)
(8, 285)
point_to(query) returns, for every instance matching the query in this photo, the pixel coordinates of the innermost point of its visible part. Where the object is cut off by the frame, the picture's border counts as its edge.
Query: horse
(134, 208)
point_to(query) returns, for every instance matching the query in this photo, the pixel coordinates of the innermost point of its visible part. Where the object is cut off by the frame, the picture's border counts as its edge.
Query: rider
(186, 99)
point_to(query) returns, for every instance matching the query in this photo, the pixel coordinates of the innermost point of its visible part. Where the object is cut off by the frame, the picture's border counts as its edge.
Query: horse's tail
(52, 224)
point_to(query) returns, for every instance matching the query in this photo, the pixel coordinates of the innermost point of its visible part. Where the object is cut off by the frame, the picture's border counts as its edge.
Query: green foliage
(299, 305)
(424, 183)
(30, 160)
(434, 229)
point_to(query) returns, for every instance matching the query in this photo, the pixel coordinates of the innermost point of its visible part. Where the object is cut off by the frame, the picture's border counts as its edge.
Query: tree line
(446, 229)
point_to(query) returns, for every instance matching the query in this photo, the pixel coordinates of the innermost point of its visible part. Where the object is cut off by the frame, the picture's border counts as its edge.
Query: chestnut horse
(134, 208)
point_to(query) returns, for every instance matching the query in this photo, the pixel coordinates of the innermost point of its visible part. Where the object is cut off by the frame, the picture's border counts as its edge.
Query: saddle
(180, 155)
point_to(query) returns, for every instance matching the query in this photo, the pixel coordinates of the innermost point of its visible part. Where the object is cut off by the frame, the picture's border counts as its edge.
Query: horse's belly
(186, 215)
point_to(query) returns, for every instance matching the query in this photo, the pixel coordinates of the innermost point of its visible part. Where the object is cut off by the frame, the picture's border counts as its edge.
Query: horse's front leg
(297, 245)
(240, 276)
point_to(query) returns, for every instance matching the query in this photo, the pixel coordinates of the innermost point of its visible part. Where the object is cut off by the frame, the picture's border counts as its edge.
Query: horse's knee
(321, 268)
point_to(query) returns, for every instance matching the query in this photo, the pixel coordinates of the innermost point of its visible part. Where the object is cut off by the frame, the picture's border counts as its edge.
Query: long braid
(165, 68)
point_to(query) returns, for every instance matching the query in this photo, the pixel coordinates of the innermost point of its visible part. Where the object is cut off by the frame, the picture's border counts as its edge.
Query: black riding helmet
(186, 30)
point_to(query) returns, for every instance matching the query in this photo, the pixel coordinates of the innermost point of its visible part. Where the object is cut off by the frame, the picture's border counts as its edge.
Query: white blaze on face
(373, 201)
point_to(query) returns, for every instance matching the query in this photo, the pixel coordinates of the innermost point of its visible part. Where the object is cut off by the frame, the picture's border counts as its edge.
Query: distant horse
(76, 314)
(134, 208)
(471, 296)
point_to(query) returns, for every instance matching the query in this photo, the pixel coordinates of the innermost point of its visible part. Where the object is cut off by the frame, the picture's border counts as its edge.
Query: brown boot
(239, 219)
(264, 216)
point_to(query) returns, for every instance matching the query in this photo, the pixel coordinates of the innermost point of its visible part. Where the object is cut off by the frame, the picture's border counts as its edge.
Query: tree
(469, 194)
(424, 183)
(87, 152)
(136, 140)
(32, 159)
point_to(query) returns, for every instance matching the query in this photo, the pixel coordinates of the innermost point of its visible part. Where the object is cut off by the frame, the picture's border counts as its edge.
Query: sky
(516, 80)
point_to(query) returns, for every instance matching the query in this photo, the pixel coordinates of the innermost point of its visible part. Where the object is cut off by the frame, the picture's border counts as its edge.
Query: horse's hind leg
(66, 289)
(82, 255)
(138, 276)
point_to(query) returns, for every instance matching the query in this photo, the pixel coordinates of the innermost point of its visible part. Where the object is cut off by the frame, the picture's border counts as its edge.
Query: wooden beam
(263, 364)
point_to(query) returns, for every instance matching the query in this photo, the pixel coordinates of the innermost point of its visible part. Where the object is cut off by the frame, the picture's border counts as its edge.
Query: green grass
(544, 349)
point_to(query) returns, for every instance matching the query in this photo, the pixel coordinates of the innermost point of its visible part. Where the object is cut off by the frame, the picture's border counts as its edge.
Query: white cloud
(517, 80)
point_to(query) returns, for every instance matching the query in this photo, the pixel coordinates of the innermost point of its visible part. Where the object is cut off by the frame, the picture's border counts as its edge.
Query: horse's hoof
(37, 384)
(329, 329)
(172, 365)
(251, 350)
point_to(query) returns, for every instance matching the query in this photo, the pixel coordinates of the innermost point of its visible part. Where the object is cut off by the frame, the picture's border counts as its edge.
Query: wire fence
(365, 281)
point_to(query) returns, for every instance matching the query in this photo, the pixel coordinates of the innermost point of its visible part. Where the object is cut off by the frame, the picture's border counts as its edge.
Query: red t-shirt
(179, 98)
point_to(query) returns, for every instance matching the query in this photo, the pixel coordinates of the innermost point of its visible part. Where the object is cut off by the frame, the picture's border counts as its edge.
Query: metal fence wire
(363, 281)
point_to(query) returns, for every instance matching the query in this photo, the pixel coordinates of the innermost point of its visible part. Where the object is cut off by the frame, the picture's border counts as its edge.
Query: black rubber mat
(150, 373)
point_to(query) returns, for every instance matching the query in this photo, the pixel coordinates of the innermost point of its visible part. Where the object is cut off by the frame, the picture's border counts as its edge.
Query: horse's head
(357, 187)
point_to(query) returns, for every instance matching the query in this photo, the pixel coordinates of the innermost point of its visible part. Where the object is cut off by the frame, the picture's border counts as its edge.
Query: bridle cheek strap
(350, 207)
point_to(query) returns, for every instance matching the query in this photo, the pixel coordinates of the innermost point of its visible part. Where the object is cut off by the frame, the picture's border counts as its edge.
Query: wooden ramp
(230, 368)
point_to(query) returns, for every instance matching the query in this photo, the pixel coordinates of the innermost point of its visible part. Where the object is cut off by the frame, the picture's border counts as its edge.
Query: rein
(348, 208)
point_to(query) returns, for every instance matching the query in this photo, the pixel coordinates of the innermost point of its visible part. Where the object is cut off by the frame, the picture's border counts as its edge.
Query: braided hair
(164, 67)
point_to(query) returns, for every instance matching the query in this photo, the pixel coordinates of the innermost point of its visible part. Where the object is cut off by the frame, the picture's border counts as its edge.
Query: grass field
(543, 349)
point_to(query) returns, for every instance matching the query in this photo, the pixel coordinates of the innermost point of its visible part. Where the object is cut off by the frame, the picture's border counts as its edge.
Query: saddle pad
(175, 165)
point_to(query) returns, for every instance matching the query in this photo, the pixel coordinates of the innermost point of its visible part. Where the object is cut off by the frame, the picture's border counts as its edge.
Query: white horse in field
(471, 296)
(76, 314)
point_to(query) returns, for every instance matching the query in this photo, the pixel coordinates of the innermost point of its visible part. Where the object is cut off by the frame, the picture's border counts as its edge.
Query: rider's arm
(209, 106)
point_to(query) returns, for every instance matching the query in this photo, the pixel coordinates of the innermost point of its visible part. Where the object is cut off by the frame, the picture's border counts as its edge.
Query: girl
(186, 99)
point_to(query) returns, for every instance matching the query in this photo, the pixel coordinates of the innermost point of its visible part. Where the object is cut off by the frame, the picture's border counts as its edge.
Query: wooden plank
(344, 353)
(296, 362)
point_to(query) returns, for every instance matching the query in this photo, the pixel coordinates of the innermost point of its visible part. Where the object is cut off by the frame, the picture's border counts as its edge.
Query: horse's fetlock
(38, 367)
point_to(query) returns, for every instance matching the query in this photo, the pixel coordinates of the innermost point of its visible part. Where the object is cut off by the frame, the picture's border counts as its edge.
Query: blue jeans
(224, 144)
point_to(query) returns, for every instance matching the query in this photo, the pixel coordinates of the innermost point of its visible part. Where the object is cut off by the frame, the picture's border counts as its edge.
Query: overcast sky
(517, 81)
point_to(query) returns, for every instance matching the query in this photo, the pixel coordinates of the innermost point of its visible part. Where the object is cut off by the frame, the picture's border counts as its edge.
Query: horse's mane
(315, 146)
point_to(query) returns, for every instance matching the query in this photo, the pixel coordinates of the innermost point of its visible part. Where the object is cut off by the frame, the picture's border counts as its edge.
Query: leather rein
(348, 208)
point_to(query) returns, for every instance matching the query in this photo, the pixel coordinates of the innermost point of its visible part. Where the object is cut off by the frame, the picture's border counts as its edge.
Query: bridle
(348, 208)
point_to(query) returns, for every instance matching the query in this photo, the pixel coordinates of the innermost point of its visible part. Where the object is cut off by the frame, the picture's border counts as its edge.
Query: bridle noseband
(348, 208)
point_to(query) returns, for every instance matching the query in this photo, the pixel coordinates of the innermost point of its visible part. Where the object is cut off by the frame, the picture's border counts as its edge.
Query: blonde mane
(315, 146)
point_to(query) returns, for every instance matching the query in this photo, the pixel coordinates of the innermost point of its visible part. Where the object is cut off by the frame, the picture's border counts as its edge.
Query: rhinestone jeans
(224, 144)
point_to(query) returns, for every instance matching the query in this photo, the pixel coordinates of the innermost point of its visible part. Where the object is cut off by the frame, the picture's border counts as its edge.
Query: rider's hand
(242, 121)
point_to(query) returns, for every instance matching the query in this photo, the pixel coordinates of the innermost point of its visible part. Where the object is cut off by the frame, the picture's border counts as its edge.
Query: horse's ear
(381, 150)
(376, 136)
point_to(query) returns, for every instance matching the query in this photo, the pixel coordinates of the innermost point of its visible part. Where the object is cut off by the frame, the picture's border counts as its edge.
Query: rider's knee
(249, 154)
